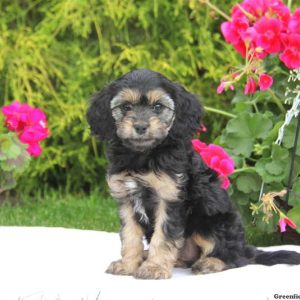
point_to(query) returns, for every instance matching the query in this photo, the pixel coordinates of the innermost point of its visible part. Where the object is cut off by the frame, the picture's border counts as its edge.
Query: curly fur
(165, 191)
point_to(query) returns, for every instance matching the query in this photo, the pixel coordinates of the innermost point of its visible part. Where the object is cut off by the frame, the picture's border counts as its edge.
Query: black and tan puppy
(164, 190)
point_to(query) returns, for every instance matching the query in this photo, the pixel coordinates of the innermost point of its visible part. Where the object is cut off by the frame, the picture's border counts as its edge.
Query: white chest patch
(136, 200)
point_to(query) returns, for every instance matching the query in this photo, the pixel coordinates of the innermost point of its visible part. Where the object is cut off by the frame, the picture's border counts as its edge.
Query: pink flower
(33, 134)
(16, 114)
(294, 23)
(198, 145)
(217, 159)
(269, 34)
(291, 54)
(277, 9)
(224, 85)
(265, 81)
(221, 87)
(283, 221)
(250, 86)
(29, 123)
(34, 149)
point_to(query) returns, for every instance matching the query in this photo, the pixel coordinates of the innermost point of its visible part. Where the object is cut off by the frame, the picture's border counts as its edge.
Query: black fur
(203, 206)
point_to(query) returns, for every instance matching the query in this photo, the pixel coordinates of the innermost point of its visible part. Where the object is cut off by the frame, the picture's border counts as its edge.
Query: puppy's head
(142, 109)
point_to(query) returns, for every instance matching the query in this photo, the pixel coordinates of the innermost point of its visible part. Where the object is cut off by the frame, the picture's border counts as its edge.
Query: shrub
(57, 53)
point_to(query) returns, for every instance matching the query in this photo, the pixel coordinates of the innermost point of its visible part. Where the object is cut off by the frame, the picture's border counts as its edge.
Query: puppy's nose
(140, 127)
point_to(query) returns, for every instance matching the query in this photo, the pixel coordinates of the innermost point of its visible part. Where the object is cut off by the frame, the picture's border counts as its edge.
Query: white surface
(57, 263)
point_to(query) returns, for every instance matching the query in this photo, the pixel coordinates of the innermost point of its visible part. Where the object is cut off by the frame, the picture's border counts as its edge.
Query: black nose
(140, 128)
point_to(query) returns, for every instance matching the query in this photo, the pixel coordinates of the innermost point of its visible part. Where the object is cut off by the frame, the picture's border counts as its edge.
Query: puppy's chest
(145, 190)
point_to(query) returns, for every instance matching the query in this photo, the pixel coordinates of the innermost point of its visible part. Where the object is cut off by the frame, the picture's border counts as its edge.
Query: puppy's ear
(188, 113)
(99, 115)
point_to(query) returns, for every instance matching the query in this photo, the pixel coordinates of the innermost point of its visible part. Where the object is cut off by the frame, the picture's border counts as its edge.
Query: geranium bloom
(223, 86)
(283, 221)
(217, 159)
(269, 35)
(265, 81)
(34, 149)
(294, 23)
(291, 55)
(250, 86)
(16, 115)
(29, 123)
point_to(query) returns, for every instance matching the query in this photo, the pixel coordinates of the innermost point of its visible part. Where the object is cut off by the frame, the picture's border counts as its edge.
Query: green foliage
(56, 54)
(242, 132)
(94, 211)
(13, 160)
(250, 138)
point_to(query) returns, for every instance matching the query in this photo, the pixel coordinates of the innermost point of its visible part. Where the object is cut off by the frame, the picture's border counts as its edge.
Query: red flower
(29, 123)
(291, 54)
(34, 149)
(223, 86)
(217, 159)
(265, 81)
(269, 34)
(283, 221)
(294, 23)
(250, 86)
(233, 30)
(277, 9)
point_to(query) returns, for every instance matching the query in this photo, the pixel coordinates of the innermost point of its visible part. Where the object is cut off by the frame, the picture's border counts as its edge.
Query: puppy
(164, 190)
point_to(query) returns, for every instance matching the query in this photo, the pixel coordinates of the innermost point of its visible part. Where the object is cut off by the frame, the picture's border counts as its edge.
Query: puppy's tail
(277, 257)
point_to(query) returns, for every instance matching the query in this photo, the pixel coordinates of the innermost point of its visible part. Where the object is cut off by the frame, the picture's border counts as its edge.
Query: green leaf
(274, 168)
(272, 135)
(294, 214)
(242, 132)
(267, 227)
(10, 146)
(7, 180)
(248, 183)
(294, 198)
(242, 107)
(289, 136)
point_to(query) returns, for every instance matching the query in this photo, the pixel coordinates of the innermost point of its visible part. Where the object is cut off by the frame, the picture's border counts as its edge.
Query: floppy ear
(188, 113)
(99, 115)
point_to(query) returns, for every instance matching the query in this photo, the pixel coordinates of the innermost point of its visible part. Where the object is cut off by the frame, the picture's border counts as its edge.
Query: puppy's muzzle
(140, 127)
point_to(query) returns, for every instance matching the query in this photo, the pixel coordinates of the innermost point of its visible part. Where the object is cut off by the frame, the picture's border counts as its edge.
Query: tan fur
(155, 95)
(156, 127)
(208, 265)
(206, 245)
(132, 245)
(126, 129)
(117, 186)
(165, 187)
(190, 252)
(204, 264)
(130, 95)
(162, 254)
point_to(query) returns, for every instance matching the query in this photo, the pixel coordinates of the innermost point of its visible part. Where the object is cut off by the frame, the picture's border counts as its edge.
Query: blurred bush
(55, 54)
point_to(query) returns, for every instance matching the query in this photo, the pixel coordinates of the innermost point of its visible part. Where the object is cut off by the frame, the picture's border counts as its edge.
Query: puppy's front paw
(120, 267)
(152, 271)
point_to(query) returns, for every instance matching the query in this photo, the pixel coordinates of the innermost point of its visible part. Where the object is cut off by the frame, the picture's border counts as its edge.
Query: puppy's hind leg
(206, 264)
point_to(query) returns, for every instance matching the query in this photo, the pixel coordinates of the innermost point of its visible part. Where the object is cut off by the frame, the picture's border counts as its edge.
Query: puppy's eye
(127, 107)
(157, 108)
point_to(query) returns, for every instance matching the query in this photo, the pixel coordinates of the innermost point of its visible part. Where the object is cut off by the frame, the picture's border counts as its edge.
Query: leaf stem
(277, 101)
(219, 111)
(216, 9)
(244, 169)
